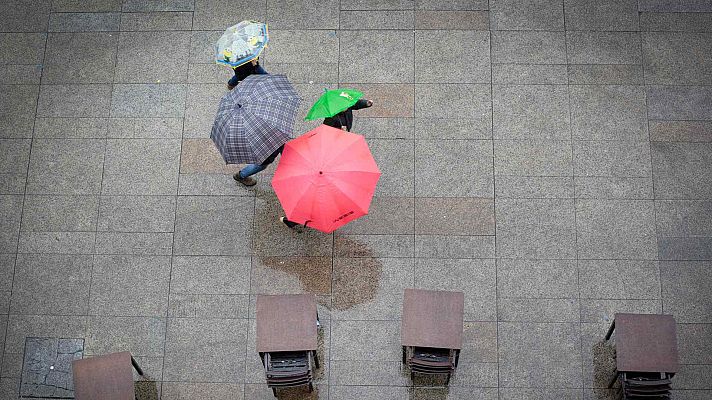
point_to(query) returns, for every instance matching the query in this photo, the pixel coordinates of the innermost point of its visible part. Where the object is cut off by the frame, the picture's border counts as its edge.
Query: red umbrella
(326, 178)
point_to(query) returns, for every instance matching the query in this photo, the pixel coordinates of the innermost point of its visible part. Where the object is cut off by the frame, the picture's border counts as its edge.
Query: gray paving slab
(605, 74)
(59, 213)
(7, 268)
(75, 166)
(619, 279)
(685, 290)
(694, 343)
(525, 347)
(666, 6)
(682, 170)
(142, 336)
(157, 21)
(612, 158)
(476, 278)
(369, 373)
(606, 15)
(210, 275)
(676, 21)
(478, 127)
(201, 46)
(211, 14)
(57, 242)
(13, 165)
(379, 56)
(531, 112)
(590, 47)
(528, 47)
(536, 228)
(291, 274)
(343, 392)
(674, 58)
(374, 245)
(201, 106)
(209, 73)
(533, 158)
(454, 216)
(454, 246)
(210, 226)
(365, 340)
(22, 48)
(621, 229)
(84, 22)
(208, 306)
(138, 243)
(539, 393)
(386, 128)
(17, 110)
(21, 326)
(604, 311)
(144, 128)
(367, 288)
(680, 131)
(24, 16)
(538, 310)
(534, 187)
(469, 166)
(613, 187)
(144, 57)
(686, 248)
(70, 128)
(679, 102)
(148, 100)
(136, 214)
(531, 279)
(129, 285)
(608, 112)
(529, 74)
(693, 377)
(683, 218)
(73, 100)
(392, 19)
(466, 20)
(467, 60)
(184, 390)
(518, 15)
(20, 74)
(386, 215)
(451, 5)
(308, 14)
(157, 5)
(377, 4)
(461, 393)
(63, 6)
(189, 360)
(453, 101)
(141, 166)
(51, 284)
(389, 99)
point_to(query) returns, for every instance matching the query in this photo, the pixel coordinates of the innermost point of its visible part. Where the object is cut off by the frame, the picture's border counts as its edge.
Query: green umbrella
(333, 102)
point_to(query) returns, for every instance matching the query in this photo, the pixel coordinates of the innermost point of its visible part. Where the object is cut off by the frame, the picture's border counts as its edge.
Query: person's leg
(289, 223)
(244, 175)
(260, 71)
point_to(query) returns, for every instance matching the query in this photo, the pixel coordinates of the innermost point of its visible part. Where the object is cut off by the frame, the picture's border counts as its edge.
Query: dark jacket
(346, 117)
(245, 70)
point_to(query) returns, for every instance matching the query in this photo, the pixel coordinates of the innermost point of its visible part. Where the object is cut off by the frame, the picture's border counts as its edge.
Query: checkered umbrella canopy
(255, 119)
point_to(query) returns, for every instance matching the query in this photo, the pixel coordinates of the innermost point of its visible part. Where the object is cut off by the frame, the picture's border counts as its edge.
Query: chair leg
(447, 381)
(274, 392)
(135, 365)
(311, 387)
(613, 381)
(610, 330)
(403, 353)
(316, 360)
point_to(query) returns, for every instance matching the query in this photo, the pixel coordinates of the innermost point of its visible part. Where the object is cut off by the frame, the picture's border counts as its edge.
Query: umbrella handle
(306, 222)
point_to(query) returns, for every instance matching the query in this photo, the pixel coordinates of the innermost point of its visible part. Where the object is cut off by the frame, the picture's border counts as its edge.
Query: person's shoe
(248, 181)
(287, 222)
(230, 87)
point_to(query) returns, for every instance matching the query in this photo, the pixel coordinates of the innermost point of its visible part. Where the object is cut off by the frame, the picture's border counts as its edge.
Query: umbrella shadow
(355, 274)
(604, 368)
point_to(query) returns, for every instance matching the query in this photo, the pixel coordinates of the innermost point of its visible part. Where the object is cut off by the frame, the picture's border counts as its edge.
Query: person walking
(345, 119)
(245, 70)
(244, 175)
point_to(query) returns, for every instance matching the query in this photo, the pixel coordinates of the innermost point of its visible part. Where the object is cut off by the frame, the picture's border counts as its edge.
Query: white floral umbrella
(241, 43)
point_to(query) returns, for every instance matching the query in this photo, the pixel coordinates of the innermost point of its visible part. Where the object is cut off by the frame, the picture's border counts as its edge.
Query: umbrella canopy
(241, 43)
(326, 178)
(255, 119)
(333, 102)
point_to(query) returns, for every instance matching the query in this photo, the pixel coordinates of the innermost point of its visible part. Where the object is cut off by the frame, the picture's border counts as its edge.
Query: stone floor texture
(552, 159)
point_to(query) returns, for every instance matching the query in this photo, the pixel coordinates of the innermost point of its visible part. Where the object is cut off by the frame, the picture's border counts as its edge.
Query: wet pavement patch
(47, 367)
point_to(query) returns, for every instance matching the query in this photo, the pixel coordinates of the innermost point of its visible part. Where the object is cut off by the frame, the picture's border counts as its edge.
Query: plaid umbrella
(255, 119)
